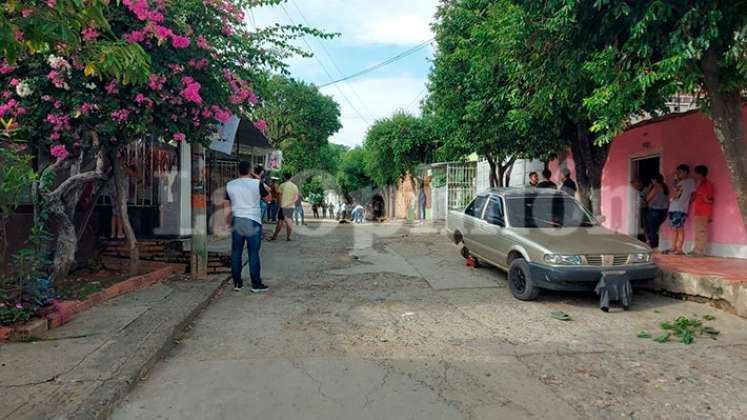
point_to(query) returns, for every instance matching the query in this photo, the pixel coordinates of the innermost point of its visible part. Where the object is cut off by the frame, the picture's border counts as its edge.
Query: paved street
(384, 322)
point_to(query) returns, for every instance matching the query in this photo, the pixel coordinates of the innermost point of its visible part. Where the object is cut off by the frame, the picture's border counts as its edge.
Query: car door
(495, 246)
(472, 221)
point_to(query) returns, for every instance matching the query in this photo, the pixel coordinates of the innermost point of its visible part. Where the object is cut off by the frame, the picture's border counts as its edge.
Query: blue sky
(371, 32)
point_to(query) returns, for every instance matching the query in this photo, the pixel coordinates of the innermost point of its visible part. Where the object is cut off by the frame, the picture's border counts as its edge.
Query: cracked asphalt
(387, 322)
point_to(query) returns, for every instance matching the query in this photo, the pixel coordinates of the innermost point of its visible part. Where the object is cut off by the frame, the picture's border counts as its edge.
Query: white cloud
(379, 98)
(394, 22)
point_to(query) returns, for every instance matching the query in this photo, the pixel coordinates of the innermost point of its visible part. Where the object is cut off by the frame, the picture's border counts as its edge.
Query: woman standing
(657, 202)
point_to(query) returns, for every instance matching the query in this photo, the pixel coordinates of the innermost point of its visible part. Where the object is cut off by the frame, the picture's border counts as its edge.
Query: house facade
(660, 145)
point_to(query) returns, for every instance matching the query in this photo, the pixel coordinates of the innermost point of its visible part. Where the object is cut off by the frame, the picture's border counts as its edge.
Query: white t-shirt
(681, 200)
(245, 195)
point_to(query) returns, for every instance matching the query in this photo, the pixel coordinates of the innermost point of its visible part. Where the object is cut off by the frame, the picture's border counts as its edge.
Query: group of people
(690, 196)
(339, 211)
(567, 184)
(246, 198)
(271, 209)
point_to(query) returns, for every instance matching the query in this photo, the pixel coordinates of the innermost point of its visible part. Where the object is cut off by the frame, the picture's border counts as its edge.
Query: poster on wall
(274, 160)
(225, 136)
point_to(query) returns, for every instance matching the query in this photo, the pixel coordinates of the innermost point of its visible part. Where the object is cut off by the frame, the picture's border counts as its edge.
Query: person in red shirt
(702, 209)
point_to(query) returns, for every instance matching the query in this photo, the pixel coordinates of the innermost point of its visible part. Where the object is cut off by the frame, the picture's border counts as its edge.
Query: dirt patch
(82, 284)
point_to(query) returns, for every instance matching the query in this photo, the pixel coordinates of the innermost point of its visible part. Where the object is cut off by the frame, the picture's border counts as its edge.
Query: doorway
(643, 168)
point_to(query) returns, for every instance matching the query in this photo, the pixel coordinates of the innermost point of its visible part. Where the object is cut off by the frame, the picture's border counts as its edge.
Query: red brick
(5, 333)
(33, 328)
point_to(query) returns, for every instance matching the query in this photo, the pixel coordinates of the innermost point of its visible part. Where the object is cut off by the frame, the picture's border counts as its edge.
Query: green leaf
(709, 317)
(644, 334)
(663, 338)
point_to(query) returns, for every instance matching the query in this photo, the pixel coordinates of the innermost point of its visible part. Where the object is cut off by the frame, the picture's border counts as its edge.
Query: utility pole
(199, 251)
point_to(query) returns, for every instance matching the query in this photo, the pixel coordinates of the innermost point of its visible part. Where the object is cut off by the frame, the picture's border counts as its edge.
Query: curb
(708, 287)
(112, 391)
(65, 311)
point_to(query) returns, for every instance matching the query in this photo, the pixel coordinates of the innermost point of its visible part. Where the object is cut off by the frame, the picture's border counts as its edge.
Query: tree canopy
(396, 145)
(300, 121)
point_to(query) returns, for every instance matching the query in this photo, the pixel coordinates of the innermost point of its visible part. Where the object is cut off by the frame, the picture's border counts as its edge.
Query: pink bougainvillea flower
(180, 136)
(163, 32)
(19, 306)
(111, 87)
(14, 82)
(27, 12)
(59, 151)
(180, 41)
(89, 34)
(202, 43)
(261, 125)
(120, 115)
(156, 81)
(52, 3)
(138, 7)
(19, 36)
(88, 107)
(191, 91)
(135, 36)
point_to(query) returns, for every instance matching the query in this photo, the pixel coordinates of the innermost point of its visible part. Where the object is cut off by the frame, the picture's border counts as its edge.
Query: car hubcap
(518, 279)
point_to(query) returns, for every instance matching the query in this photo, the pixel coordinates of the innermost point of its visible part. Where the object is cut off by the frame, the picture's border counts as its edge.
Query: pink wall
(687, 138)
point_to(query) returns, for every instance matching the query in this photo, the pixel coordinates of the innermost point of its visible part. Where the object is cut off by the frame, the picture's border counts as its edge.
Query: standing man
(243, 213)
(288, 196)
(679, 207)
(702, 209)
(298, 215)
(533, 179)
(568, 186)
(546, 181)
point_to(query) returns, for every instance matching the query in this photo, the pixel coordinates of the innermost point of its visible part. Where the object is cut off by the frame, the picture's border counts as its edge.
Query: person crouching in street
(243, 213)
(288, 196)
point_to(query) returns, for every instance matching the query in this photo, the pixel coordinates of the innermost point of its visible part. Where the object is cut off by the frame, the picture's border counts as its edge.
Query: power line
(384, 63)
(324, 68)
(331, 60)
(420, 95)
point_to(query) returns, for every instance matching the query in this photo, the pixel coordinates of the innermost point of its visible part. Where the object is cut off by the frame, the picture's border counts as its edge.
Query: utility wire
(384, 63)
(324, 68)
(332, 60)
(420, 95)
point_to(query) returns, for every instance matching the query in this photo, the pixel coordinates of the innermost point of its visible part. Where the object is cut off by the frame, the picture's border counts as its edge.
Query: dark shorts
(677, 219)
(284, 213)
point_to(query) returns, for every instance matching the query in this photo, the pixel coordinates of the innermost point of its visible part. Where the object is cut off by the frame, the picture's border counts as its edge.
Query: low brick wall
(63, 312)
(170, 252)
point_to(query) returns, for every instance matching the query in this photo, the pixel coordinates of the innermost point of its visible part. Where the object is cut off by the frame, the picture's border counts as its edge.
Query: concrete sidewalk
(82, 369)
(721, 280)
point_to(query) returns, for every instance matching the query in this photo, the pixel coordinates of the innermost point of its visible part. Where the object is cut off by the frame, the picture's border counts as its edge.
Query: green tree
(351, 175)
(396, 145)
(202, 62)
(656, 49)
(300, 121)
(474, 95)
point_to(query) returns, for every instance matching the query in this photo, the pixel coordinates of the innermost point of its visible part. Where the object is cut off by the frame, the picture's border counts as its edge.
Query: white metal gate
(461, 184)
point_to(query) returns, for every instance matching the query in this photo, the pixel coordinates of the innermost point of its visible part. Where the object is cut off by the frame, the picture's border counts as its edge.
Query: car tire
(520, 281)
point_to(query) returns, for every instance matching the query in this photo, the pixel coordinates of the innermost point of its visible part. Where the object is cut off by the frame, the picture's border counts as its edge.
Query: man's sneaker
(236, 288)
(259, 289)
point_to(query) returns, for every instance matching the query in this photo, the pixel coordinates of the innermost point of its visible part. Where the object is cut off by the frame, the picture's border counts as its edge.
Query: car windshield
(543, 211)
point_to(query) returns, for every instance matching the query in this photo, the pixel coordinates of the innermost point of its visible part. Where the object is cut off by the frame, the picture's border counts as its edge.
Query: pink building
(660, 145)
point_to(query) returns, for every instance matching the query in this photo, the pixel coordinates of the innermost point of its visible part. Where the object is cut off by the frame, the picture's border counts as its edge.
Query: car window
(494, 212)
(543, 211)
(475, 207)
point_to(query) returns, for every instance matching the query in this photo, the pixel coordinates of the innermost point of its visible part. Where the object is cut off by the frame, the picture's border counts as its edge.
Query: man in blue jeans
(243, 213)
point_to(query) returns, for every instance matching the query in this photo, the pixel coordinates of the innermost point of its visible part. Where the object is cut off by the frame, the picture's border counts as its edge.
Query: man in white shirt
(243, 213)
(679, 207)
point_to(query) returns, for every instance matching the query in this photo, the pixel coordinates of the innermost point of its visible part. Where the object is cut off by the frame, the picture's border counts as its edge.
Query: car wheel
(520, 281)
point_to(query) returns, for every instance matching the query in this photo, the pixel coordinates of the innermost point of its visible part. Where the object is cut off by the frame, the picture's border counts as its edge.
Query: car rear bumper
(585, 278)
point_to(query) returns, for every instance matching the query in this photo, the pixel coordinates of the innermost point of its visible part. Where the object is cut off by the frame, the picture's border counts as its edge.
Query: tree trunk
(589, 160)
(495, 181)
(120, 181)
(57, 202)
(726, 112)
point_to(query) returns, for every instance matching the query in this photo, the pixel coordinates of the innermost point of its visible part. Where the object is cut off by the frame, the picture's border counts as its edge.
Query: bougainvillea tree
(201, 59)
